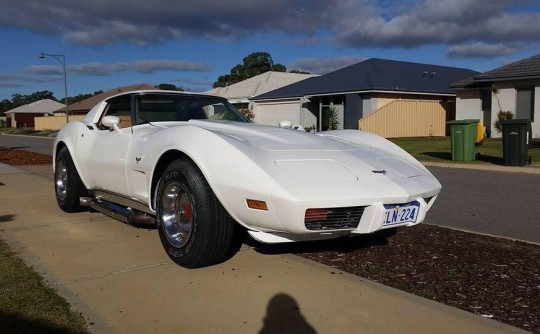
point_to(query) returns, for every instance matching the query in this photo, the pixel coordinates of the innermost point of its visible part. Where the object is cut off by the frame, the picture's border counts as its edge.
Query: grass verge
(28, 305)
(29, 132)
(438, 149)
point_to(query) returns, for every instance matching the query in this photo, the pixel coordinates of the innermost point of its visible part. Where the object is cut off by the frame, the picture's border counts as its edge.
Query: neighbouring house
(78, 110)
(238, 94)
(84, 106)
(518, 90)
(25, 115)
(387, 97)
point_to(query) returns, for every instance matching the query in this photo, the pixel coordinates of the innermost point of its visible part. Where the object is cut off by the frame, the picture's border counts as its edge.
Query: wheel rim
(177, 214)
(61, 180)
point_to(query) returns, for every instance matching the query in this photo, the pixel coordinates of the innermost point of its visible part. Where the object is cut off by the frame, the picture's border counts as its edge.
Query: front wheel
(194, 228)
(67, 183)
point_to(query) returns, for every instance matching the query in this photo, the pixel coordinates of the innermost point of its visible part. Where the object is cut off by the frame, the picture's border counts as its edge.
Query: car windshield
(173, 108)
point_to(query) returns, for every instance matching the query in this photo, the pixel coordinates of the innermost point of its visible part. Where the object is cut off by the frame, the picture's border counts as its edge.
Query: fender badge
(382, 171)
(137, 159)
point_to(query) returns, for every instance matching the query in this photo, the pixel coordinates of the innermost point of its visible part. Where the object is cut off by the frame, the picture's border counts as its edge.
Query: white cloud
(145, 66)
(352, 23)
(484, 50)
(15, 81)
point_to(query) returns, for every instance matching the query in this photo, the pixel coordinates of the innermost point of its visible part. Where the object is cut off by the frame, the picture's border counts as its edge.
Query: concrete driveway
(123, 282)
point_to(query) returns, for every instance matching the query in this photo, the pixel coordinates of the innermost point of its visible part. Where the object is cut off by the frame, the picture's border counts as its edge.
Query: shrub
(330, 119)
(502, 116)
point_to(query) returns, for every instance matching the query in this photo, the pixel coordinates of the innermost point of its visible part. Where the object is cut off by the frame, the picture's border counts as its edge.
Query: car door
(102, 152)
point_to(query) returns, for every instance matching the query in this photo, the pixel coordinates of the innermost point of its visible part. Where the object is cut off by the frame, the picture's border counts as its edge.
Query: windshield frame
(185, 96)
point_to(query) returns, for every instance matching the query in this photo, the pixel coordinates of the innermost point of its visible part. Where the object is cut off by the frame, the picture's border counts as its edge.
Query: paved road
(27, 143)
(503, 204)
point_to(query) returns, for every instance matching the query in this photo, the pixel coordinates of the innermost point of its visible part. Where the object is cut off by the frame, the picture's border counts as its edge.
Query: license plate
(401, 213)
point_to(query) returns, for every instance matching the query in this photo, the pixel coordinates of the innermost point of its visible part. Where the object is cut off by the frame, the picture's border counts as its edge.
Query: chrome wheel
(61, 180)
(177, 214)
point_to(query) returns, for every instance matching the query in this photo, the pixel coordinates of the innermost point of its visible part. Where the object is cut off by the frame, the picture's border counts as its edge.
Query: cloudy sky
(111, 43)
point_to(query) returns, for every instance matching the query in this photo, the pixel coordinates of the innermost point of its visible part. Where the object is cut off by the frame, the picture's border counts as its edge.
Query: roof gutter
(351, 92)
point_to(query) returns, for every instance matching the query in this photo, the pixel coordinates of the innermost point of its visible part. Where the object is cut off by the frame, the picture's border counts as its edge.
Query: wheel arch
(60, 145)
(57, 147)
(164, 160)
(66, 143)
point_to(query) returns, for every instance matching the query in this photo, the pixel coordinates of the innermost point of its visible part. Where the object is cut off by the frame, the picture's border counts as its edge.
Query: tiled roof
(529, 67)
(259, 84)
(89, 103)
(39, 107)
(377, 75)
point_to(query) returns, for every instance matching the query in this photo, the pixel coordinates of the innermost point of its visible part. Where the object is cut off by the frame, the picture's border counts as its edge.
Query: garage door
(25, 120)
(270, 113)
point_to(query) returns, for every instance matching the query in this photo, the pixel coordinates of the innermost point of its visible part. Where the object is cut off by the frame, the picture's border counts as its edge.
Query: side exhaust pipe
(126, 215)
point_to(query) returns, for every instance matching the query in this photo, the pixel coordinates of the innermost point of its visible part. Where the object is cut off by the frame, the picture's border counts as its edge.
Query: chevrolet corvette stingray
(197, 168)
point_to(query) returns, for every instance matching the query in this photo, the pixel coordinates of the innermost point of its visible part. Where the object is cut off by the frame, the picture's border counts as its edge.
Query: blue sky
(111, 43)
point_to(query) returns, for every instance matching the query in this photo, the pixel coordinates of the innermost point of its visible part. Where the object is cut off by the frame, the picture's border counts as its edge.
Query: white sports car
(194, 166)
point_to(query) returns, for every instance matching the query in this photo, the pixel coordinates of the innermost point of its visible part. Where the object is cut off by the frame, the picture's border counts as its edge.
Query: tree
(167, 86)
(501, 115)
(18, 100)
(299, 72)
(252, 65)
(80, 97)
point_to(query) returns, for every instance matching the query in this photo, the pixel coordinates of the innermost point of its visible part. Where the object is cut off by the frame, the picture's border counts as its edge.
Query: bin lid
(522, 121)
(463, 121)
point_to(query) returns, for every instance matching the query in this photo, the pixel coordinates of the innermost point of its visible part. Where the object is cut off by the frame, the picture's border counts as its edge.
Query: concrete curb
(31, 136)
(534, 169)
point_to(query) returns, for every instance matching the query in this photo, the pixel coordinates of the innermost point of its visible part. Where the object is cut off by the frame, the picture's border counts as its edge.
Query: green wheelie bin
(463, 138)
(517, 137)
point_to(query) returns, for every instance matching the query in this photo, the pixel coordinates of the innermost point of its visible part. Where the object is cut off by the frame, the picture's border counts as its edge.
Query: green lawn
(438, 149)
(28, 305)
(29, 132)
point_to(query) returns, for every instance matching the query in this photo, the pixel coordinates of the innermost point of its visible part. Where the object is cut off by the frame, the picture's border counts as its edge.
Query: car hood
(335, 158)
(273, 138)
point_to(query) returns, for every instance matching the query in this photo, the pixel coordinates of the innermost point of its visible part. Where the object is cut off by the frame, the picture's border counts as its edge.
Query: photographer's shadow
(283, 316)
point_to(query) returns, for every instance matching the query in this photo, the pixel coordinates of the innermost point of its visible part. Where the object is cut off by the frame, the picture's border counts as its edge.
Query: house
(78, 110)
(517, 90)
(239, 93)
(84, 106)
(387, 97)
(24, 116)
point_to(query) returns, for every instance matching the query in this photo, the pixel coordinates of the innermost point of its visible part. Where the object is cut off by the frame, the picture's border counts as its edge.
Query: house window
(525, 103)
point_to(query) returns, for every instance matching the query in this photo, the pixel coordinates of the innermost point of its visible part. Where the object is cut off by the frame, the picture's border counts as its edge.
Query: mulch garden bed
(493, 277)
(17, 157)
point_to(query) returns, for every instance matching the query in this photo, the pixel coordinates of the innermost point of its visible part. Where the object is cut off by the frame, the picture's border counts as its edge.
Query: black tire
(68, 186)
(196, 231)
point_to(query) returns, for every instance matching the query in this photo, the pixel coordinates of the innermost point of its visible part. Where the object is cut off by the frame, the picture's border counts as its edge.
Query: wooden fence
(54, 122)
(408, 118)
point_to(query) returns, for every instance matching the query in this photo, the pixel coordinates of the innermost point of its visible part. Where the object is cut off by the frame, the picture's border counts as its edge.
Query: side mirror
(111, 122)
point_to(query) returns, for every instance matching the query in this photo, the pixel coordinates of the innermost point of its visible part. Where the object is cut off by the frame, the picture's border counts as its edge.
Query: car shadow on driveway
(344, 244)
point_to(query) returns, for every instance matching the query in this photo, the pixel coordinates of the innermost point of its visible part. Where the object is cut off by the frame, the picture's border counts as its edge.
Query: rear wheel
(194, 228)
(67, 183)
